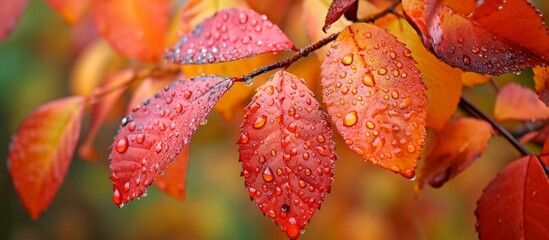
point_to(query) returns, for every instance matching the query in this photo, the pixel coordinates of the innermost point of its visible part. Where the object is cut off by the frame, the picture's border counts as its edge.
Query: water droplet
(321, 150)
(292, 127)
(475, 50)
(392, 55)
(187, 94)
(466, 60)
(411, 148)
(140, 138)
(116, 197)
(368, 80)
(244, 138)
(370, 125)
(122, 145)
(178, 108)
(320, 138)
(407, 53)
(242, 18)
(350, 119)
(272, 213)
(268, 175)
(249, 82)
(368, 35)
(301, 184)
(382, 71)
(347, 59)
(260, 122)
(394, 94)
(413, 178)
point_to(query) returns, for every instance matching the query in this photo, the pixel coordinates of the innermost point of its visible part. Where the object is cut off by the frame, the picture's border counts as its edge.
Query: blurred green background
(365, 203)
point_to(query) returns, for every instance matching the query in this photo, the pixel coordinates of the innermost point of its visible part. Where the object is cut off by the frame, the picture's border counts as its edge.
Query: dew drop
(292, 127)
(268, 174)
(260, 122)
(244, 138)
(475, 50)
(370, 125)
(411, 148)
(116, 197)
(122, 145)
(347, 59)
(140, 138)
(368, 80)
(187, 94)
(382, 71)
(350, 119)
(243, 18)
(320, 138)
(466, 60)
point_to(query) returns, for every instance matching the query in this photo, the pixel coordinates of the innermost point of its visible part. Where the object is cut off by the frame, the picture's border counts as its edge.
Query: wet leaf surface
(519, 103)
(375, 97)
(287, 152)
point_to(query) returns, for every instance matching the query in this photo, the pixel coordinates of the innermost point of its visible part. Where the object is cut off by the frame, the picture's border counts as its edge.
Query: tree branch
(469, 106)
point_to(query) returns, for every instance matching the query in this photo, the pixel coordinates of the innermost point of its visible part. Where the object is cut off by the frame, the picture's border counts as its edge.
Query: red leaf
(148, 88)
(514, 205)
(229, 35)
(135, 28)
(454, 149)
(519, 103)
(173, 181)
(102, 107)
(375, 97)
(338, 8)
(42, 149)
(156, 131)
(70, 10)
(488, 43)
(287, 152)
(9, 13)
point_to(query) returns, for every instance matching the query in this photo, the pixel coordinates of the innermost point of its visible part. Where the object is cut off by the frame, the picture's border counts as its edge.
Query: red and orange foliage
(385, 81)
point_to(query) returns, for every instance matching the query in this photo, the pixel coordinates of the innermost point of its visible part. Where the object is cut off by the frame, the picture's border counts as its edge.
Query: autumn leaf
(173, 181)
(134, 28)
(229, 35)
(375, 97)
(514, 205)
(70, 10)
(101, 107)
(337, 9)
(287, 152)
(42, 149)
(541, 77)
(491, 41)
(156, 131)
(92, 67)
(9, 13)
(519, 103)
(454, 149)
(471, 79)
(443, 82)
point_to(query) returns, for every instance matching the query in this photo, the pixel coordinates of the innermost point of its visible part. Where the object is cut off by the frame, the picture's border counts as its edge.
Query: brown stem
(288, 61)
(467, 105)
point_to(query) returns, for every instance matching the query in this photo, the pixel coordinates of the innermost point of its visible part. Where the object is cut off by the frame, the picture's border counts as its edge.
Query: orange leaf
(443, 82)
(135, 28)
(157, 130)
(541, 76)
(455, 148)
(173, 181)
(287, 152)
(9, 13)
(70, 10)
(101, 107)
(42, 149)
(514, 205)
(471, 79)
(375, 97)
(491, 41)
(92, 67)
(519, 103)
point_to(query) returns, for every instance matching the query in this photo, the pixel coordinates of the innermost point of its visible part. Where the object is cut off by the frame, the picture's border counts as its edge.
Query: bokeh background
(365, 203)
